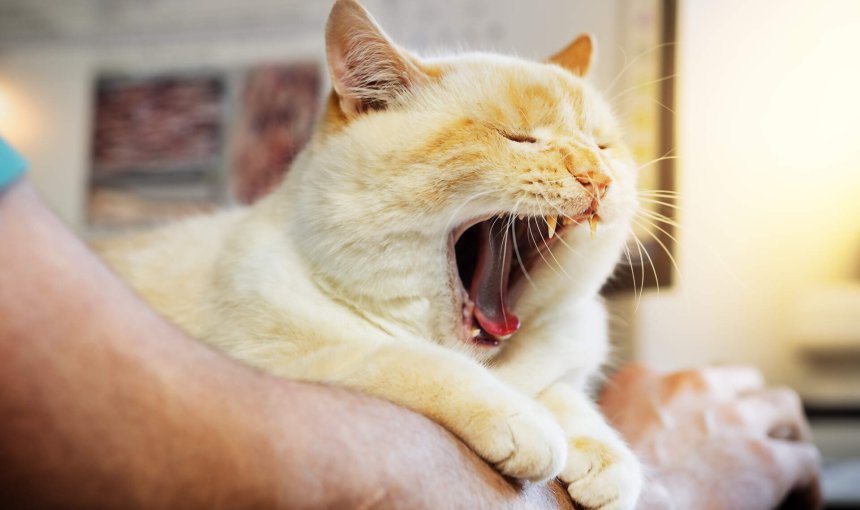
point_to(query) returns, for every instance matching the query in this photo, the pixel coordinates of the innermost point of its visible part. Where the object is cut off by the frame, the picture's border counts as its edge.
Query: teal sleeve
(12, 165)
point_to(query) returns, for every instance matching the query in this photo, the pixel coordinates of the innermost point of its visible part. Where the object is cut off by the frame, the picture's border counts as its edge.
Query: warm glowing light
(4, 107)
(5, 110)
(17, 123)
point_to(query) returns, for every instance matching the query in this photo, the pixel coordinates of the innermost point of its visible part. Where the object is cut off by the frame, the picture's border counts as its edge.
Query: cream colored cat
(392, 258)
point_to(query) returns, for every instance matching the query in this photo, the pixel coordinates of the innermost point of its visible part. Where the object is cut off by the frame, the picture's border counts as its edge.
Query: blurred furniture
(826, 337)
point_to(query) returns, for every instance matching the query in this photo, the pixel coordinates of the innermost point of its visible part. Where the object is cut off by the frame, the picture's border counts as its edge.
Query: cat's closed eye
(519, 138)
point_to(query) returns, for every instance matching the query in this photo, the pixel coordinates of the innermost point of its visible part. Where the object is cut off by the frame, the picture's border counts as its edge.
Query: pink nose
(593, 181)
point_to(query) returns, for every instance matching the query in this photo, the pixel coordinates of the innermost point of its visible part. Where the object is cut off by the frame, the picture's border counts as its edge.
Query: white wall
(769, 140)
(45, 114)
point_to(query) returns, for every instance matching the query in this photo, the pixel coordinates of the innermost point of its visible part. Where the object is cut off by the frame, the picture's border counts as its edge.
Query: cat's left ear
(368, 71)
(577, 56)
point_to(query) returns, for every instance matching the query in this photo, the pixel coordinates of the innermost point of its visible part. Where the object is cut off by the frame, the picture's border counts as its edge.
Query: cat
(439, 243)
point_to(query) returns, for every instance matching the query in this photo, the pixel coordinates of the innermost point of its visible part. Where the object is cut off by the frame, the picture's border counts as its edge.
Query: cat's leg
(570, 341)
(510, 430)
(601, 470)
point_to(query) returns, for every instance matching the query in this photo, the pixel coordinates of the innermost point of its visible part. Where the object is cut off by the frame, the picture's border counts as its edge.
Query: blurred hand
(715, 439)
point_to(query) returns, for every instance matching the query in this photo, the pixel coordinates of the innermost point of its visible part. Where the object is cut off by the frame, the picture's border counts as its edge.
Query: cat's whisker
(644, 249)
(658, 190)
(632, 273)
(595, 195)
(646, 223)
(628, 64)
(663, 157)
(661, 218)
(662, 105)
(450, 223)
(668, 200)
(659, 202)
(502, 274)
(658, 220)
(642, 85)
(655, 161)
(665, 249)
(516, 248)
(551, 254)
(566, 220)
(641, 268)
(568, 246)
(658, 194)
(539, 251)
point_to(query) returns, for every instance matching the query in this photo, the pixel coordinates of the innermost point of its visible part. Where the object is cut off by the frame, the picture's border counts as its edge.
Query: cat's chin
(490, 259)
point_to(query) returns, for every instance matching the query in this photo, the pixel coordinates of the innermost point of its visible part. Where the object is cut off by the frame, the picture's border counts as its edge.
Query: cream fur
(342, 274)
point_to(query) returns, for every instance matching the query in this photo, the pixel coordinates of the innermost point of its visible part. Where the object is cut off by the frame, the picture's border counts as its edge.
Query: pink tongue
(490, 283)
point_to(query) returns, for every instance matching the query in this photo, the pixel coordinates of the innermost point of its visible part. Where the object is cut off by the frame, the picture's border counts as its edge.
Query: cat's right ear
(367, 70)
(577, 57)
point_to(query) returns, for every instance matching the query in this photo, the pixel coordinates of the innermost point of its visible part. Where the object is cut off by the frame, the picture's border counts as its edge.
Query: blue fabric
(12, 165)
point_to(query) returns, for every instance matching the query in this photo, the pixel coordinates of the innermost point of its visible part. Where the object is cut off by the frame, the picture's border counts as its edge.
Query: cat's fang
(592, 223)
(475, 332)
(550, 225)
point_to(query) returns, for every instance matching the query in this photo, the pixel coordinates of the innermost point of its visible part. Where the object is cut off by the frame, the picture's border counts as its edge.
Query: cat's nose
(594, 181)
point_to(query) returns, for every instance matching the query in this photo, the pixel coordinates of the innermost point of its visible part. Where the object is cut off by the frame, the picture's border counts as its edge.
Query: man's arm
(104, 404)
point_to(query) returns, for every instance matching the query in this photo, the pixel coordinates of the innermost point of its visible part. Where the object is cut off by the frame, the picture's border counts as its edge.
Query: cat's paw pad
(526, 444)
(602, 474)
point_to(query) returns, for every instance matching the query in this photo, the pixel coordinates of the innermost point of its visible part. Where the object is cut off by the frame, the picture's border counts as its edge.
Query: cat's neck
(388, 266)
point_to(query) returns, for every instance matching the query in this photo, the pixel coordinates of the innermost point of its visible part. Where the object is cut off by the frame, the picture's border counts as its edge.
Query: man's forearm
(104, 404)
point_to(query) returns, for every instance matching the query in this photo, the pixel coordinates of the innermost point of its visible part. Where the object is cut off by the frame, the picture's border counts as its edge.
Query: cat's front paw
(603, 474)
(522, 441)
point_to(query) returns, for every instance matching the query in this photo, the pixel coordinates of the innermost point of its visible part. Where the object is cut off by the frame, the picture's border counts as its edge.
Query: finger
(624, 381)
(734, 380)
(633, 372)
(777, 413)
(720, 382)
(798, 465)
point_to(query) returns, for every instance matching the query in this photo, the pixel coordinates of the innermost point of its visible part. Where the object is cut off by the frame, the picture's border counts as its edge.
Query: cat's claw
(602, 474)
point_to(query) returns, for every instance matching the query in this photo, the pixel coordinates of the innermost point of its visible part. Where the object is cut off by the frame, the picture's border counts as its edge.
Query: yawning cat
(440, 243)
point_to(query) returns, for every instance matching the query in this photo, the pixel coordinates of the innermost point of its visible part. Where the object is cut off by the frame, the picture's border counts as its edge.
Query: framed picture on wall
(643, 94)
(278, 104)
(157, 147)
(174, 144)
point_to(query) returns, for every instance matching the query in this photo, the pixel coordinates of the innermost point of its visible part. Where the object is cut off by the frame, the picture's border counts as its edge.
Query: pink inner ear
(367, 69)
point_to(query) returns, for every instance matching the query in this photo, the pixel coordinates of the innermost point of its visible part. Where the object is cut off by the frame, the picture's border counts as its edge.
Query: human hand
(715, 439)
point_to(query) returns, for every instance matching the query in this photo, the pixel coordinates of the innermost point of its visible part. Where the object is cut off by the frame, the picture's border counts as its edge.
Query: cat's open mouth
(493, 257)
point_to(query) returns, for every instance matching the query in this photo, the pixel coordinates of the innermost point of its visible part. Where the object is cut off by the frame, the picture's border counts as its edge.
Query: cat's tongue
(489, 287)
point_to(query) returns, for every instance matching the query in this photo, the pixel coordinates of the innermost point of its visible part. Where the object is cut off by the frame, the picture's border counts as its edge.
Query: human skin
(715, 439)
(105, 405)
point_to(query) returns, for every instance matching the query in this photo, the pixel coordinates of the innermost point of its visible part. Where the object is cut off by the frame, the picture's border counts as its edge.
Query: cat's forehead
(511, 87)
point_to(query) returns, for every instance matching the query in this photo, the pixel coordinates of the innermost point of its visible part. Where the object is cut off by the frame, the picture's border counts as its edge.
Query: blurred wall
(45, 114)
(46, 76)
(769, 145)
